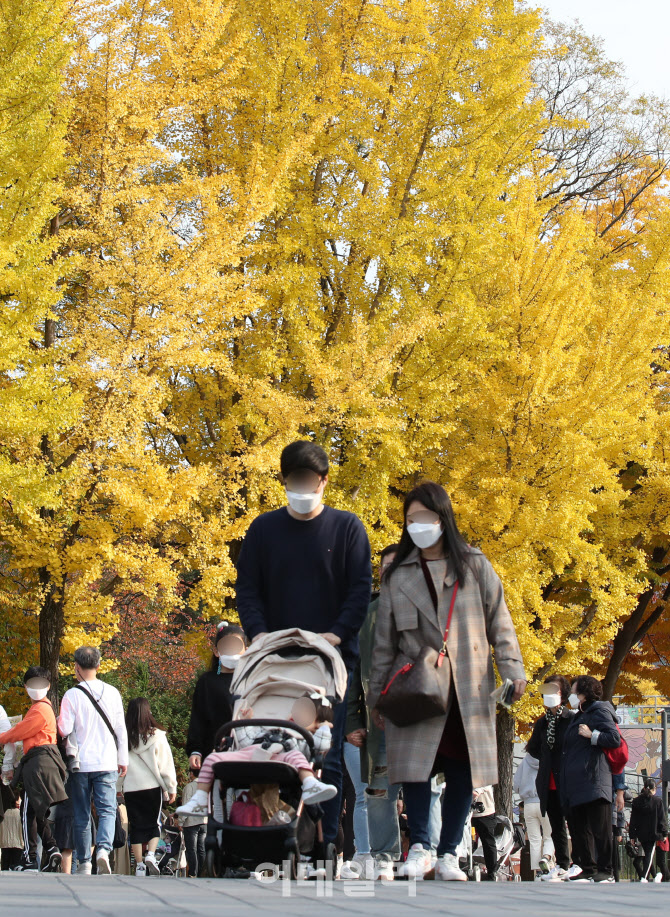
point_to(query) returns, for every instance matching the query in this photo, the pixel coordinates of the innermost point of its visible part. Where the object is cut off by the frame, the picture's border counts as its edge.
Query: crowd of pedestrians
(418, 784)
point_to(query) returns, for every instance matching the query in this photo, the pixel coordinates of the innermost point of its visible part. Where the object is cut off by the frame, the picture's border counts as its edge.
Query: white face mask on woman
(303, 503)
(228, 661)
(574, 701)
(37, 693)
(424, 534)
(551, 700)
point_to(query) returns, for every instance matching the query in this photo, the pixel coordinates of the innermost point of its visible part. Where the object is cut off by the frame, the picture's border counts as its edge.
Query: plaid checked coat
(406, 621)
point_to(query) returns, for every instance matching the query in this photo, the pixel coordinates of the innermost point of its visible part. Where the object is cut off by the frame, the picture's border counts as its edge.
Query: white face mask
(424, 534)
(229, 662)
(551, 700)
(37, 693)
(303, 503)
(574, 701)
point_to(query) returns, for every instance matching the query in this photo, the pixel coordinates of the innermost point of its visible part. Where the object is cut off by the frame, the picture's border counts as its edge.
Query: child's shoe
(313, 791)
(198, 804)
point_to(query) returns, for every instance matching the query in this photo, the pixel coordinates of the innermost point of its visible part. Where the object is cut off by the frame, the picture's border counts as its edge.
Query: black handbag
(120, 834)
(634, 849)
(419, 689)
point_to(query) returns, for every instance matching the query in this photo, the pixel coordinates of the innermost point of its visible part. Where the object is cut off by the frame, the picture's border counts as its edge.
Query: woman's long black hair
(435, 498)
(140, 722)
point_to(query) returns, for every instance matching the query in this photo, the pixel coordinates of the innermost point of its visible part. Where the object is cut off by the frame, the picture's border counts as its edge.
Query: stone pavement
(35, 895)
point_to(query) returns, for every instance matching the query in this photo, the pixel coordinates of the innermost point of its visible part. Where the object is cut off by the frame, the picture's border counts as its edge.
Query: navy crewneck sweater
(311, 574)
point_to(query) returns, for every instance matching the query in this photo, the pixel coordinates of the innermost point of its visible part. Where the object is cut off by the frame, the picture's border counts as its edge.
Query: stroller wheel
(291, 865)
(212, 868)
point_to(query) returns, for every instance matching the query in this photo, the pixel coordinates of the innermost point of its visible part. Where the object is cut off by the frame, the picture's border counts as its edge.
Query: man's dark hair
(589, 686)
(87, 657)
(303, 454)
(37, 671)
(389, 549)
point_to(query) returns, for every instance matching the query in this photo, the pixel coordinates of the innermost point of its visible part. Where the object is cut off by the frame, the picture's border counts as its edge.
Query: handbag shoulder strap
(443, 651)
(102, 713)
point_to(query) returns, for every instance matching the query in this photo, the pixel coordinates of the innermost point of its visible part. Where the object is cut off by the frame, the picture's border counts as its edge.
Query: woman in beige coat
(413, 608)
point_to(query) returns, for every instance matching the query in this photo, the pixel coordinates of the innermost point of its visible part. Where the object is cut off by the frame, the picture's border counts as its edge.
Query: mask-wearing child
(258, 743)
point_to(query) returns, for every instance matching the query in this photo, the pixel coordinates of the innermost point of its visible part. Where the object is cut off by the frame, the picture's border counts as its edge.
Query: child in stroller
(267, 743)
(264, 799)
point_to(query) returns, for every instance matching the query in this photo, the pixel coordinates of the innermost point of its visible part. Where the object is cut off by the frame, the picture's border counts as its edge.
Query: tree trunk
(51, 633)
(505, 729)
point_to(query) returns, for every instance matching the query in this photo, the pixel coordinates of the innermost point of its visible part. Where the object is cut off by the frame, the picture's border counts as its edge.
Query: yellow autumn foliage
(328, 220)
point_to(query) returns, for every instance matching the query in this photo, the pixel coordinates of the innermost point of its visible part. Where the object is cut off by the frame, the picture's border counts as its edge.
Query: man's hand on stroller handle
(333, 639)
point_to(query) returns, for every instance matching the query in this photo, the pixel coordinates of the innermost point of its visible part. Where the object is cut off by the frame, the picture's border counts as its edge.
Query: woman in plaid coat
(416, 594)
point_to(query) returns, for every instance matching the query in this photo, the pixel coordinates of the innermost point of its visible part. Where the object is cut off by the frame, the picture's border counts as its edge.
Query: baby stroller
(507, 843)
(276, 670)
(171, 852)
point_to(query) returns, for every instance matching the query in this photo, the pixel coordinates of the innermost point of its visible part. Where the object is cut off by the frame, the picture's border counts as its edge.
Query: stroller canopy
(284, 665)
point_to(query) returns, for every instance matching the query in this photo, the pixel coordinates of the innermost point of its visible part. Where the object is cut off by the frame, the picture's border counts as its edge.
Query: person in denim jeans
(383, 833)
(103, 756)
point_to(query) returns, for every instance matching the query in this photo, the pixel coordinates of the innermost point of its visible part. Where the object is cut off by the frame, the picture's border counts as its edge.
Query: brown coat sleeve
(499, 625)
(385, 647)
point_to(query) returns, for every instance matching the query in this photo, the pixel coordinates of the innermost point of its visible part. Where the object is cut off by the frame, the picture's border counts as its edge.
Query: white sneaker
(361, 867)
(198, 804)
(383, 868)
(644, 880)
(448, 870)
(572, 873)
(84, 869)
(658, 877)
(314, 791)
(557, 874)
(417, 863)
(140, 869)
(151, 865)
(102, 863)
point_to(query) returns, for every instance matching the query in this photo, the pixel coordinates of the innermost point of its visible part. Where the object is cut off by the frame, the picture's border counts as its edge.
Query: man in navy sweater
(308, 565)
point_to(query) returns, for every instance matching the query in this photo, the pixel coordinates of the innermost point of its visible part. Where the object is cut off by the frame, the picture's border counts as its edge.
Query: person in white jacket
(538, 826)
(151, 779)
(8, 759)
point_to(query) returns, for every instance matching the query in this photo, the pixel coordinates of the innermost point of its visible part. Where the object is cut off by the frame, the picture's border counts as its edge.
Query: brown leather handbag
(419, 689)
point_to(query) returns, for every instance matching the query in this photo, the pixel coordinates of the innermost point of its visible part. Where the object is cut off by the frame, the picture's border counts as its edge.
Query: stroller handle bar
(280, 724)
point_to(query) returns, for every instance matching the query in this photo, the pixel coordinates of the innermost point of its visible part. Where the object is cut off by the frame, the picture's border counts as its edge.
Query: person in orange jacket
(41, 770)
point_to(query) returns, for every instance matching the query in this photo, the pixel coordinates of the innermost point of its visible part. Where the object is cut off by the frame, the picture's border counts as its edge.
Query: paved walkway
(122, 896)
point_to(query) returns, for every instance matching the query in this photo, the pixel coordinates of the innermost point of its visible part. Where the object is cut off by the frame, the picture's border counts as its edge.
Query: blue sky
(636, 32)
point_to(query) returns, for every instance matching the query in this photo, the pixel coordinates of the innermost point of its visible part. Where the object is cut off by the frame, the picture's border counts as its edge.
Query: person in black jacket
(648, 824)
(546, 744)
(586, 779)
(212, 705)
(307, 565)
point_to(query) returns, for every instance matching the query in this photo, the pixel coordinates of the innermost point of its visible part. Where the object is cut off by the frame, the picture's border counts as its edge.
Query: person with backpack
(586, 779)
(151, 779)
(648, 825)
(41, 771)
(93, 711)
